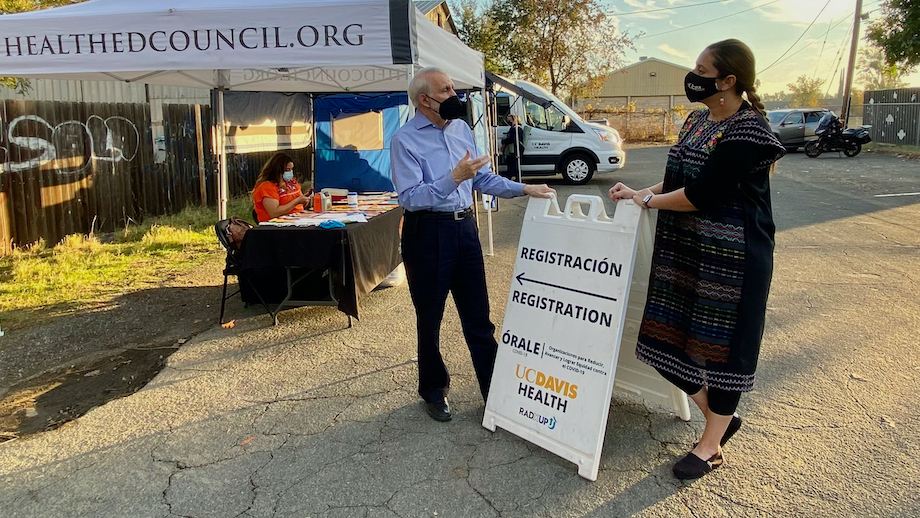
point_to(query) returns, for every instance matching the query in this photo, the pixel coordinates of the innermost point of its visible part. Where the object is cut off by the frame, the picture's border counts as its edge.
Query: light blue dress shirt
(422, 156)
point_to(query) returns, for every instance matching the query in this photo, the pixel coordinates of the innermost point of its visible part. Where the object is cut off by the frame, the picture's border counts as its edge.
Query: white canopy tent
(322, 46)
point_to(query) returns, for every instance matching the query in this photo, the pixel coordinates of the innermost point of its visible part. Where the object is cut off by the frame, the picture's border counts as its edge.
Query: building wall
(440, 16)
(650, 77)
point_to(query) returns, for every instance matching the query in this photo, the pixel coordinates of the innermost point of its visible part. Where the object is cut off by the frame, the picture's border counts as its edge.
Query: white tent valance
(271, 45)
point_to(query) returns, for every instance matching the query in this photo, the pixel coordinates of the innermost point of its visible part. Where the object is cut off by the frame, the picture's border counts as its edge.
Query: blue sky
(769, 27)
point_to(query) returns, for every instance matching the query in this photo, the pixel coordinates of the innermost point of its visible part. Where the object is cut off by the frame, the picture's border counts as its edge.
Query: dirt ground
(54, 372)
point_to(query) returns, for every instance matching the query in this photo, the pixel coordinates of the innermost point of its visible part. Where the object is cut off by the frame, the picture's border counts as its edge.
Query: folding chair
(232, 266)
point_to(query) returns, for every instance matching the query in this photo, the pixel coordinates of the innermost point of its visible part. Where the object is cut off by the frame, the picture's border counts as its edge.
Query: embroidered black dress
(711, 268)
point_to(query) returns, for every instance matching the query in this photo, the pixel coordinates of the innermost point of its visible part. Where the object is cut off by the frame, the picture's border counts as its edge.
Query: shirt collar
(421, 121)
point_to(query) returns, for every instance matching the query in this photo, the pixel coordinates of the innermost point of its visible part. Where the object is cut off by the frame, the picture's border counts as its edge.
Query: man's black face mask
(451, 108)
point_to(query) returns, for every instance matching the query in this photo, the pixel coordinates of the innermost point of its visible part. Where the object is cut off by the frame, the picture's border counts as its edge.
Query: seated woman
(277, 192)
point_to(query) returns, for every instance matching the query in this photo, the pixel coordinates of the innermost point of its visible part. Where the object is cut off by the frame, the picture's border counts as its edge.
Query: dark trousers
(722, 402)
(512, 172)
(441, 256)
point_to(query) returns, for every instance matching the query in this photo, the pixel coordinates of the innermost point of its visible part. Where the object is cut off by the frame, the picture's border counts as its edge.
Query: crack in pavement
(740, 504)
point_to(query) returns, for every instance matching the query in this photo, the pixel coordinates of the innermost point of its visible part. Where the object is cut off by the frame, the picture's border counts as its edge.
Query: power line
(669, 8)
(821, 52)
(837, 67)
(797, 39)
(812, 43)
(709, 21)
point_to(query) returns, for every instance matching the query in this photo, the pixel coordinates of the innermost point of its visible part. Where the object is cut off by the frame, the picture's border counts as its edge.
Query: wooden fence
(74, 167)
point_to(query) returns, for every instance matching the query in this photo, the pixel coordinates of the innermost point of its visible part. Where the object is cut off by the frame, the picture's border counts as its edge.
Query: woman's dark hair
(732, 57)
(274, 168)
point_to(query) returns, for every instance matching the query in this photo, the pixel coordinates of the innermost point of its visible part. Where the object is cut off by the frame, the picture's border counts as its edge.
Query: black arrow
(522, 278)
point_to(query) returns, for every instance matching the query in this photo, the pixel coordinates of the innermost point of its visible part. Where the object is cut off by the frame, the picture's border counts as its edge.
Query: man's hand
(539, 191)
(468, 167)
(621, 192)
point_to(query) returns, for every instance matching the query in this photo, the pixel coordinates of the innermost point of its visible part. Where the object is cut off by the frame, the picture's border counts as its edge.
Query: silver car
(795, 127)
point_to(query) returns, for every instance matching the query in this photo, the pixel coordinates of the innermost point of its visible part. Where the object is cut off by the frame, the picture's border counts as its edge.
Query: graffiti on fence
(71, 145)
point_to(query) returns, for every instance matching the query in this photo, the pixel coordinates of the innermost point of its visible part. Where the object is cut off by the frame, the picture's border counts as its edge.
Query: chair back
(221, 228)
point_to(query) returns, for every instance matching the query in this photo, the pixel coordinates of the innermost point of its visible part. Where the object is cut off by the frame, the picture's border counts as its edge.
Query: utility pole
(845, 108)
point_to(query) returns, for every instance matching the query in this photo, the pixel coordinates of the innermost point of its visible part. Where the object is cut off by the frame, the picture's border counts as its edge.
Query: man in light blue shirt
(435, 174)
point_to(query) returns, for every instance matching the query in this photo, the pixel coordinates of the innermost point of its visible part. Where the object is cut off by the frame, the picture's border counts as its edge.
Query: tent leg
(224, 177)
(490, 146)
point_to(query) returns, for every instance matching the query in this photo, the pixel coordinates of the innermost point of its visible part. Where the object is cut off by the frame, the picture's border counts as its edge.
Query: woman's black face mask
(698, 87)
(451, 108)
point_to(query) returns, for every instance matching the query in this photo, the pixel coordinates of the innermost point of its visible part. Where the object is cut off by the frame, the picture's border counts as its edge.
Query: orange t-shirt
(285, 194)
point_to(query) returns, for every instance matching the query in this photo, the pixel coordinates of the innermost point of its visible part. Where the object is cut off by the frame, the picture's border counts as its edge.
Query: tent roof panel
(275, 45)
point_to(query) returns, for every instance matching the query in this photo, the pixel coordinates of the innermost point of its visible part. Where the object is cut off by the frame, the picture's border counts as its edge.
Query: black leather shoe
(691, 466)
(439, 411)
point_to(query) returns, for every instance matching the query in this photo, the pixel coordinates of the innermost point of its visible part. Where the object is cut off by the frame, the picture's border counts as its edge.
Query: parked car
(795, 127)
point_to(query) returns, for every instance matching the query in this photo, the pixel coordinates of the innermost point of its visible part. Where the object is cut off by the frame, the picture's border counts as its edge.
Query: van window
(550, 118)
(813, 116)
(502, 108)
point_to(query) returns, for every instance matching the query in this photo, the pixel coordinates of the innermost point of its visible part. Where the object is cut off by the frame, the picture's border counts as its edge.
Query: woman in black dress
(713, 257)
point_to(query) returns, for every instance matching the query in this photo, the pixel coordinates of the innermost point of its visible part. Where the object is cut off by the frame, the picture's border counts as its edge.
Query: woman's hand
(621, 192)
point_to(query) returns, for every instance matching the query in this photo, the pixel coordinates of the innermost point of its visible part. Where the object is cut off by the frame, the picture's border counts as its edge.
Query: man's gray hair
(419, 83)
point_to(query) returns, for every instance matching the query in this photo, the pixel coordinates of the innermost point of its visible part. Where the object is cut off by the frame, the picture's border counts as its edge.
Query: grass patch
(904, 151)
(42, 282)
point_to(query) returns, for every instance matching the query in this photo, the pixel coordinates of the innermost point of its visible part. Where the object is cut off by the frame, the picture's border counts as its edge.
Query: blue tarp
(363, 169)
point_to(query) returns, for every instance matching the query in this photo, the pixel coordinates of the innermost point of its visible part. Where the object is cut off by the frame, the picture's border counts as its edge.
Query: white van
(556, 139)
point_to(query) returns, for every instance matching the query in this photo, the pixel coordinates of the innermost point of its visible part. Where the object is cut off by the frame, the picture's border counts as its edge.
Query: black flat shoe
(439, 411)
(691, 466)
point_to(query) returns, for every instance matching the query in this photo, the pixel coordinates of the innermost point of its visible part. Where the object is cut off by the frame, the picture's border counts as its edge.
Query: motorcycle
(832, 137)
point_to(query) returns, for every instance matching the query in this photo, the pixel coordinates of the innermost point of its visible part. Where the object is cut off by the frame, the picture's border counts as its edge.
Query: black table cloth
(359, 257)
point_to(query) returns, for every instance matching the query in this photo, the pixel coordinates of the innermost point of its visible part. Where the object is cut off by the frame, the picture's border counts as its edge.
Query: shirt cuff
(445, 185)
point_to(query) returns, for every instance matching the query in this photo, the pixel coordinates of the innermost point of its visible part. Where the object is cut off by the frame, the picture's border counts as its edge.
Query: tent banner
(189, 37)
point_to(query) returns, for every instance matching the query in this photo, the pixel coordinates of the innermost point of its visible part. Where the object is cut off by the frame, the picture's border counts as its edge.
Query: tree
(479, 31)
(777, 97)
(874, 73)
(896, 32)
(21, 6)
(805, 92)
(567, 45)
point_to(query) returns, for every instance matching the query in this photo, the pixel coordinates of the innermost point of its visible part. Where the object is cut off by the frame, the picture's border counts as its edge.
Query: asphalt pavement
(311, 418)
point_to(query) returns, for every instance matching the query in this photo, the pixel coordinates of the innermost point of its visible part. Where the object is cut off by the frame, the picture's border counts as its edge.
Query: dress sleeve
(265, 190)
(746, 148)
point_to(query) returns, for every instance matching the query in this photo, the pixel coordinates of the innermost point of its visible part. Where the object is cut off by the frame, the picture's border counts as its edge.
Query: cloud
(802, 12)
(671, 51)
(637, 5)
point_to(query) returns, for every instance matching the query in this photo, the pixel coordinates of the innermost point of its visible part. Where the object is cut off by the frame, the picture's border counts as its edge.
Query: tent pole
(224, 177)
(490, 142)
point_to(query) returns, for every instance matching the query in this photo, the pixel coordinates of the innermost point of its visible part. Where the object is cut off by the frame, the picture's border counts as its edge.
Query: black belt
(457, 215)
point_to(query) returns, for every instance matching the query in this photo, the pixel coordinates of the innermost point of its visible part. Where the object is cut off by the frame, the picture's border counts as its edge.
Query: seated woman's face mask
(288, 175)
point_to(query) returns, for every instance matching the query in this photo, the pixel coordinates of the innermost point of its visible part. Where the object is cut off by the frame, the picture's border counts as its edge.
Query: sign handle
(575, 204)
